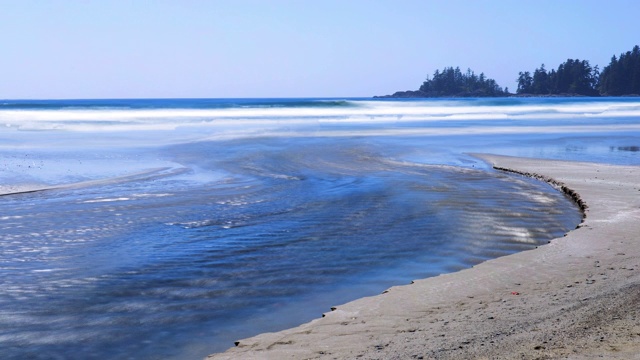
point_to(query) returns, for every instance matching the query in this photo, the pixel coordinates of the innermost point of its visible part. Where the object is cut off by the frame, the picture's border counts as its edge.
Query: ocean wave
(322, 109)
(174, 103)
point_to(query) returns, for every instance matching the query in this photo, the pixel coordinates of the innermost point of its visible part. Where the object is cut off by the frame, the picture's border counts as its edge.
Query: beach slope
(577, 297)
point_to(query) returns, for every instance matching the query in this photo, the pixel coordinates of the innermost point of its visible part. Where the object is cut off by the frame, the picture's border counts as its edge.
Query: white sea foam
(151, 195)
(106, 200)
(477, 130)
(365, 112)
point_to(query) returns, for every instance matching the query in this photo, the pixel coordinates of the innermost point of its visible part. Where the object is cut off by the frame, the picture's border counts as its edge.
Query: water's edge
(558, 185)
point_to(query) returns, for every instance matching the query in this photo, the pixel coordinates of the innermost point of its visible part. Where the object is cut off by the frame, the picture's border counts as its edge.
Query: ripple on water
(134, 269)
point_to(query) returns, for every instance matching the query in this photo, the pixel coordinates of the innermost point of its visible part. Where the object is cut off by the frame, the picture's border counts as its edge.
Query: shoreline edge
(577, 297)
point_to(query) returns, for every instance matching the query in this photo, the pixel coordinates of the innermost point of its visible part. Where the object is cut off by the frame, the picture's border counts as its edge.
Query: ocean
(168, 228)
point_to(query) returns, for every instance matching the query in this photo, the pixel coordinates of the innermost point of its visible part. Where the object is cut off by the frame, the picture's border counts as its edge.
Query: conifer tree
(622, 75)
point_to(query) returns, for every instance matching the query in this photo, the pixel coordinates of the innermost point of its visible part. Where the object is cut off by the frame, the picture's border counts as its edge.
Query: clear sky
(296, 48)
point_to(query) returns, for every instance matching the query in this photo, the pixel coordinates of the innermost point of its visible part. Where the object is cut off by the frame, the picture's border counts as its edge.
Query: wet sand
(577, 297)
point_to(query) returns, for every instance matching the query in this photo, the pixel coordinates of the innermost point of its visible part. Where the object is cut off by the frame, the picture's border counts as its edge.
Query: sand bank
(577, 297)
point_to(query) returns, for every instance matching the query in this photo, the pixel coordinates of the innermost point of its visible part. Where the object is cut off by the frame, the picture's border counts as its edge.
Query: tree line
(572, 77)
(576, 77)
(453, 82)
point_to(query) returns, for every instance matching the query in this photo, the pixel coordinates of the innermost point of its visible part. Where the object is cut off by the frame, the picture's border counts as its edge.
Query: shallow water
(188, 224)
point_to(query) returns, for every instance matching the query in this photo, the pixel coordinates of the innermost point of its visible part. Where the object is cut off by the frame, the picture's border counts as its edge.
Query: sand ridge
(577, 297)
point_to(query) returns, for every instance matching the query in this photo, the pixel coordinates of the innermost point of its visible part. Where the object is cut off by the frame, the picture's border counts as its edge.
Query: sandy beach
(577, 297)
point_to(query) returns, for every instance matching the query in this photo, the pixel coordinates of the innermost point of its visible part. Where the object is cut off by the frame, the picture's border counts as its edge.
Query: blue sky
(278, 48)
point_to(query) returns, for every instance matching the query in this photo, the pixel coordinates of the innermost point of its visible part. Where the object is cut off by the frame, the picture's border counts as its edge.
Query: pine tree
(525, 83)
(540, 81)
(622, 75)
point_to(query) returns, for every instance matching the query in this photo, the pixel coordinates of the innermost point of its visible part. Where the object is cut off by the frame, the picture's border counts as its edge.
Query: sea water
(168, 228)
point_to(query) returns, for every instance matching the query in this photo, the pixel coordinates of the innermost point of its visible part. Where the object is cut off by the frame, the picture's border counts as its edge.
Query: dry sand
(577, 297)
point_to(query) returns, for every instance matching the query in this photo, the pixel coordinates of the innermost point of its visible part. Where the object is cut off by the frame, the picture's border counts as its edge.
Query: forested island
(574, 77)
(453, 83)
